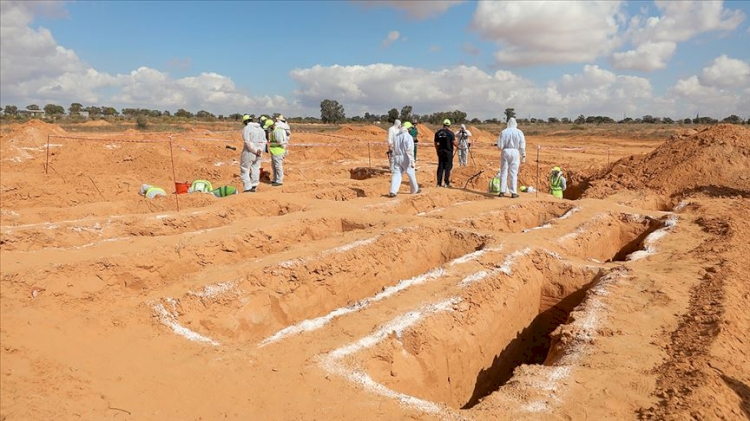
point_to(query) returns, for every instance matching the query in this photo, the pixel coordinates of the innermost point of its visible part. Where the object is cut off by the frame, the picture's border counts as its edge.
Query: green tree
(11, 110)
(331, 111)
(733, 119)
(580, 120)
(392, 115)
(510, 113)
(54, 110)
(107, 111)
(93, 111)
(553, 120)
(141, 122)
(75, 109)
(183, 113)
(204, 114)
(32, 107)
(405, 113)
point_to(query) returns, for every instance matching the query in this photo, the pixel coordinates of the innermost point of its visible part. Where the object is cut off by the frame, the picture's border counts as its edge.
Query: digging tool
(231, 147)
(472, 157)
(472, 178)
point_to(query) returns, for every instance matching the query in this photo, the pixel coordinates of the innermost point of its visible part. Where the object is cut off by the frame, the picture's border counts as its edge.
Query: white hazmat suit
(512, 143)
(464, 140)
(254, 141)
(392, 132)
(403, 160)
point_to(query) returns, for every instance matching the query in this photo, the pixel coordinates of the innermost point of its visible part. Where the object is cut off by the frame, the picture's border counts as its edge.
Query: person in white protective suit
(403, 160)
(464, 143)
(392, 132)
(281, 122)
(512, 144)
(254, 141)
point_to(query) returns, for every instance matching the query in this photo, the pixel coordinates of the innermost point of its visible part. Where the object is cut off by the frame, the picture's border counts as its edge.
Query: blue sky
(545, 59)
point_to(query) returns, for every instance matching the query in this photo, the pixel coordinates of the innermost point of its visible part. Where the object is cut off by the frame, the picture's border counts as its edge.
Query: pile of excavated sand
(364, 131)
(33, 133)
(425, 134)
(97, 123)
(479, 135)
(715, 159)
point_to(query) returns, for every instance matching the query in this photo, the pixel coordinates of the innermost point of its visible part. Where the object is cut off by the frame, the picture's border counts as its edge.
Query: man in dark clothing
(445, 141)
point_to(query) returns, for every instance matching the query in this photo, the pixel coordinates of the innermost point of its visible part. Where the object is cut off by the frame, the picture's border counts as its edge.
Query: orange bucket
(181, 188)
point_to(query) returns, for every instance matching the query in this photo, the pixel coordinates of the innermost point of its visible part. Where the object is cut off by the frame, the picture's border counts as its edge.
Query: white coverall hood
(463, 127)
(397, 123)
(512, 123)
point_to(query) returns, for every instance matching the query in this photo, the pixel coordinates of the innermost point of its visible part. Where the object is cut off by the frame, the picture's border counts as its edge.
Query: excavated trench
(85, 232)
(501, 321)
(458, 357)
(610, 237)
(293, 291)
(517, 218)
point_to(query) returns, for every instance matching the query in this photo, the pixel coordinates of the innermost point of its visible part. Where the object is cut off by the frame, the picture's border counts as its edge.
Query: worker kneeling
(557, 183)
(403, 160)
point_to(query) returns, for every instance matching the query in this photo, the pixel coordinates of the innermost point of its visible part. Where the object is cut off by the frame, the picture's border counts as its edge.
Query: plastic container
(181, 188)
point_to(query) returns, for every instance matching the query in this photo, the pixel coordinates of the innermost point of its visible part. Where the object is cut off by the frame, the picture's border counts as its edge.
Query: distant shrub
(141, 122)
(578, 127)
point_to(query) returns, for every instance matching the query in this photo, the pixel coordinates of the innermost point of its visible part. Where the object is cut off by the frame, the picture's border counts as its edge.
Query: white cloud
(722, 89)
(379, 87)
(726, 72)
(422, 9)
(392, 36)
(647, 57)
(548, 32)
(435, 48)
(655, 38)
(682, 20)
(35, 69)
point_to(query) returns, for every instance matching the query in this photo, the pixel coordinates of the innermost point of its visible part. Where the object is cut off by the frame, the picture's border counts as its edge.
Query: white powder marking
(651, 239)
(318, 322)
(211, 291)
(331, 361)
(346, 247)
(170, 320)
(508, 263)
(570, 212)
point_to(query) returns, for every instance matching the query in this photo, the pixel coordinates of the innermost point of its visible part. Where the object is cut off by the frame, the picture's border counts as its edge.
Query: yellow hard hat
(556, 169)
(246, 118)
(523, 188)
(268, 123)
(407, 125)
(263, 118)
(446, 122)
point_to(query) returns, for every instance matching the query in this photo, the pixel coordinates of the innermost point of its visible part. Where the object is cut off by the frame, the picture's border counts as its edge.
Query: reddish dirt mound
(369, 131)
(33, 133)
(425, 134)
(97, 123)
(479, 135)
(714, 160)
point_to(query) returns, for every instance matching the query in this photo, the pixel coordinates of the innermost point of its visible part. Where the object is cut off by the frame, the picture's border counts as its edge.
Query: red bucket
(181, 188)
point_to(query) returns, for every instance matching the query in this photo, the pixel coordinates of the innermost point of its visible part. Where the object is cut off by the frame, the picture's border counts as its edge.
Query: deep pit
(500, 323)
(610, 237)
(517, 218)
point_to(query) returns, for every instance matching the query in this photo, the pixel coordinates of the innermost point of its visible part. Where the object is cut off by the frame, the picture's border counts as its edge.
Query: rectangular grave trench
(297, 291)
(520, 217)
(611, 237)
(459, 357)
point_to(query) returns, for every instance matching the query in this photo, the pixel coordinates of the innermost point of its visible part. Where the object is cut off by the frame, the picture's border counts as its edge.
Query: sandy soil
(325, 299)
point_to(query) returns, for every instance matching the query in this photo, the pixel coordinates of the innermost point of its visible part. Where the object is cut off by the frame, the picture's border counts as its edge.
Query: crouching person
(403, 160)
(149, 192)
